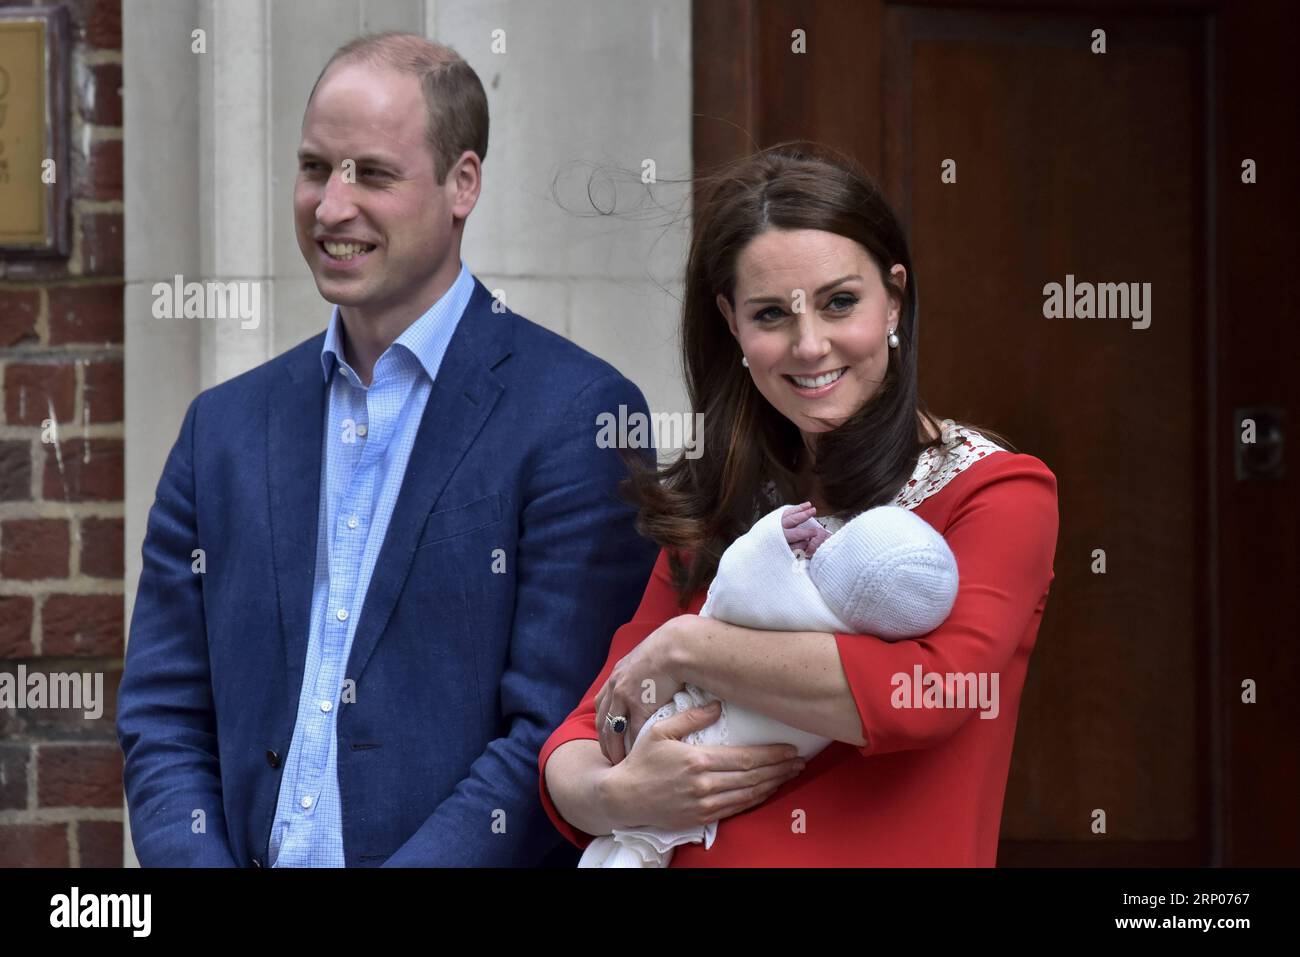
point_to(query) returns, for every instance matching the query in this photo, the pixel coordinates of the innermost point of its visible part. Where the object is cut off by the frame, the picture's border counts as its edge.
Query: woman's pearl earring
(893, 339)
(744, 361)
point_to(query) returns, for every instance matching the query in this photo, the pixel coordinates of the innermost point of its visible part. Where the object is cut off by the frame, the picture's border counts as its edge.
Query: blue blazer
(461, 671)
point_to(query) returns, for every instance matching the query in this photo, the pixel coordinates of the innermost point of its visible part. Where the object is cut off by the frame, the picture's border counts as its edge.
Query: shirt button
(327, 706)
(306, 801)
(361, 429)
(343, 614)
(352, 522)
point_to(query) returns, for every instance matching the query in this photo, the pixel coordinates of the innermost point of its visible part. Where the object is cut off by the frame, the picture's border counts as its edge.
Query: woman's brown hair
(696, 507)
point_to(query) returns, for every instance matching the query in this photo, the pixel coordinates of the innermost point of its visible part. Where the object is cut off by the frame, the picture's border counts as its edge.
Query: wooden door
(1066, 164)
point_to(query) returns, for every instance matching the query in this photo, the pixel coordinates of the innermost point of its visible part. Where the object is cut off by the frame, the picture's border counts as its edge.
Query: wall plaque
(34, 170)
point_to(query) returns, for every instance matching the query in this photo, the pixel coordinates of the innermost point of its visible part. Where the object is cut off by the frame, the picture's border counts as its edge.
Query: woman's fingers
(731, 803)
(617, 749)
(720, 783)
(680, 785)
(612, 743)
(730, 757)
(693, 719)
(600, 718)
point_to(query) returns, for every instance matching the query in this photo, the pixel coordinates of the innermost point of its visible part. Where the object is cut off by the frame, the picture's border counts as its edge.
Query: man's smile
(344, 255)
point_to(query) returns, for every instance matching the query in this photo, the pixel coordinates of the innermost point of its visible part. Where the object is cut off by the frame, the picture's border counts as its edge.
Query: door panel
(1107, 168)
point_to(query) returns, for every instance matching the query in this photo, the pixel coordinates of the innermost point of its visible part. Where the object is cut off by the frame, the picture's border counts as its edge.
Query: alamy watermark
(665, 431)
(75, 909)
(238, 299)
(1103, 300)
(59, 690)
(950, 690)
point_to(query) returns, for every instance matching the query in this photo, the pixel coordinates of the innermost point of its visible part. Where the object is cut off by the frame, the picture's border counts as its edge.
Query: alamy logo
(80, 691)
(1105, 300)
(103, 910)
(238, 299)
(950, 690)
(663, 430)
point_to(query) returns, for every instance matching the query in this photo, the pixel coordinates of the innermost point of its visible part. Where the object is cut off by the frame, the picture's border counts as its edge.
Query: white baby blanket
(886, 573)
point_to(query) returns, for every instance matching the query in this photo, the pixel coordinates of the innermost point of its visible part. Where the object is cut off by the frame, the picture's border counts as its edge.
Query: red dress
(927, 788)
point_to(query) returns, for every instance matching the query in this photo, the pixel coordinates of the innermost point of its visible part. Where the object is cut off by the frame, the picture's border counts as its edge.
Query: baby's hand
(802, 532)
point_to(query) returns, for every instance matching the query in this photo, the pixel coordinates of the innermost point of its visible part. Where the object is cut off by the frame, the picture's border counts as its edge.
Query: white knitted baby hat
(894, 578)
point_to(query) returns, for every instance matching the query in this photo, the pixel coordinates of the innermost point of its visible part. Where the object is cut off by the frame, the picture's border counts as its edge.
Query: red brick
(90, 314)
(100, 176)
(77, 480)
(14, 762)
(32, 388)
(34, 845)
(12, 725)
(43, 269)
(101, 547)
(79, 775)
(32, 548)
(18, 311)
(82, 625)
(16, 626)
(15, 471)
(103, 391)
(101, 101)
(101, 244)
(100, 843)
(96, 22)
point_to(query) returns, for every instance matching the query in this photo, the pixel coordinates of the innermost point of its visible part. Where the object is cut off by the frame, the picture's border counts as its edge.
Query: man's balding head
(453, 94)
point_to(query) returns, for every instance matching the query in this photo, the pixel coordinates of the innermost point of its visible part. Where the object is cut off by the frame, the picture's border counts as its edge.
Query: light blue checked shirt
(368, 438)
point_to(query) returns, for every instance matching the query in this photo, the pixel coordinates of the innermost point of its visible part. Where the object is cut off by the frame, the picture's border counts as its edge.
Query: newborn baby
(886, 573)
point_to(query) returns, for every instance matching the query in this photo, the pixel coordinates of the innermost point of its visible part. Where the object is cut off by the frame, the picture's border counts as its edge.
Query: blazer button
(257, 862)
(272, 759)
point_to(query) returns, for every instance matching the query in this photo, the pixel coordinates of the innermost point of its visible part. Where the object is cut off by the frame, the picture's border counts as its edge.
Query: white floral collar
(937, 466)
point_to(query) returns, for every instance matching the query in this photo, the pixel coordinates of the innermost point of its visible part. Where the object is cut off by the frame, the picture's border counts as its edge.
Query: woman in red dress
(799, 345)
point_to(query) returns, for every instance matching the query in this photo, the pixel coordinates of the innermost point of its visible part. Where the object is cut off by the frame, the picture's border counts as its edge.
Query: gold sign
(33, 170)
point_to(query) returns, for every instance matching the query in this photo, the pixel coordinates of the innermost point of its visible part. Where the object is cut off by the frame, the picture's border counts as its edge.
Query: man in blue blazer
(383, 566)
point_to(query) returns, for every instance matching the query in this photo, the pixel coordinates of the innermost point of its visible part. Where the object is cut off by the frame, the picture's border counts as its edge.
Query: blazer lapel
(296, 421)
(460, 401)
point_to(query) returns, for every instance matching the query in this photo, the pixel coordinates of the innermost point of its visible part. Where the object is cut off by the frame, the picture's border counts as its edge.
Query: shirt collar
(425, 338)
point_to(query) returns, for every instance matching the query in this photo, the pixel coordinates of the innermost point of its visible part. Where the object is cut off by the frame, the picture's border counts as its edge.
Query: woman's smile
(813, 386)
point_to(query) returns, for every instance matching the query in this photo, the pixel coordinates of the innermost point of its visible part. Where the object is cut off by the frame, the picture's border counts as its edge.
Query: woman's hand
(637, 687)
(666, 783)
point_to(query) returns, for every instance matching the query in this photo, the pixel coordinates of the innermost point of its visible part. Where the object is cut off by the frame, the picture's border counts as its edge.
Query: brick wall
(61, 512)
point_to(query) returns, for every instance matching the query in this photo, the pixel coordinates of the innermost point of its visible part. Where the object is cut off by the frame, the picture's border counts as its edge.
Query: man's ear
(465, 180)
(725, 308)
